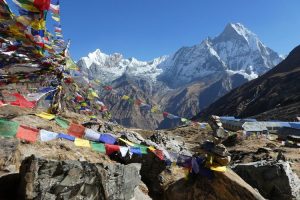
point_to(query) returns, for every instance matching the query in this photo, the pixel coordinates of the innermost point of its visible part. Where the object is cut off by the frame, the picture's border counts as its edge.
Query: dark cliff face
(280, 87)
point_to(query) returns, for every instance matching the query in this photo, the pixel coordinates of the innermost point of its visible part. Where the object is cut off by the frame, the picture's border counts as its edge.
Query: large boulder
(273, 179)
(222, 186)
(51, 179)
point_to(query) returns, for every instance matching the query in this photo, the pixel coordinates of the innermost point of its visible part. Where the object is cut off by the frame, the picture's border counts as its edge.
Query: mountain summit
(235, 50)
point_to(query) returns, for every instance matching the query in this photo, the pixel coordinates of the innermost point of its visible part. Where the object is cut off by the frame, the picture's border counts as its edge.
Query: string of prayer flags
(65, 136)
(110, 149)
(82, 143)
(107, 138)
(8, 128)
(46, 136)
(27, 133)
(45, 115)
(99, 147)
(76, 130)
(92, 135)
(62, 122)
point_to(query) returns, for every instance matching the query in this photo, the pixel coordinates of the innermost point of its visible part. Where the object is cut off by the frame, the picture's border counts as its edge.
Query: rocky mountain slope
(190, 79)
(266, 95)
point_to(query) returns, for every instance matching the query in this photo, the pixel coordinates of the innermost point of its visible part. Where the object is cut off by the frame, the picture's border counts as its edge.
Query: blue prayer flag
(107, 138)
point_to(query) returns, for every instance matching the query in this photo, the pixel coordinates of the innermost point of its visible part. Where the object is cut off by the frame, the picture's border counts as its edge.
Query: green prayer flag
(62, 122)
(99, 147)
(144, 149)
(8, 128)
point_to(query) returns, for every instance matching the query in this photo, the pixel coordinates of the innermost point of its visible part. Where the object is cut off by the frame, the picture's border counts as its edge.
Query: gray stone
(50, 179)
(274, 180)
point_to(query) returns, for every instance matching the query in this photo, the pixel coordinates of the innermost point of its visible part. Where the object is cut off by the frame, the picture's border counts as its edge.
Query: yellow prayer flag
(46, 116)
(154, 109)
(125, 97)
(218, 168)
(38, 24)
(82, 143)
(151, 148)
(126, 142)
(94, 94)
(56, 18)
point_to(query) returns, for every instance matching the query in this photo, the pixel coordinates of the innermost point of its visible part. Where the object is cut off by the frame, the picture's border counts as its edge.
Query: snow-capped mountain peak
(110, 67)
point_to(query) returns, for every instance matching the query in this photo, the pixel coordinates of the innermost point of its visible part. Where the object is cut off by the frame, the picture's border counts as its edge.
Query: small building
(254, 127)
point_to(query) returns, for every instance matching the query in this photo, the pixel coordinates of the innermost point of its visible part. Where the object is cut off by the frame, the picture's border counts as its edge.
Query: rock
(274, 180)
(9, 155)
(50, 179)
(223, 186)
(280, 156)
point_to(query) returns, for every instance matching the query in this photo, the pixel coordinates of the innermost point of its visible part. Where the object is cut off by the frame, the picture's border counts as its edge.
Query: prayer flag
(195, 165)
(67, 137)
(144, 149)
(8, 128)
(151, 148)
(46, 116)
(27, 133)
(154, 109)
(111, 148)
(76, 130)
(184, 161)
(159, 154)
(125, 97)
(82, 143)
(46, 136)
(126, 142)
(107, 138)
(165, 114)
(124, 151)
(218, 168)
(42, 4)
(135, 150)
(62, 122)
(91, 135)
(21, 101)
(99, 147)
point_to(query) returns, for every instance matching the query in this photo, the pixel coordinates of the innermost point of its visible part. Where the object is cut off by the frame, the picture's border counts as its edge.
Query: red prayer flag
(138, 102)
(159, 154)
(165, 114)
(76, 130)
(22, 102)
(42, 4)
(110, 148)
(27, 133)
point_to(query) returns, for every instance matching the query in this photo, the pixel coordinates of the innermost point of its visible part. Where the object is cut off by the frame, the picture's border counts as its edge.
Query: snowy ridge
(110, 67)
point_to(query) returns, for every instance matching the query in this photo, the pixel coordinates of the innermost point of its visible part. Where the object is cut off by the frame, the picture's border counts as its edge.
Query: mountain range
(185, 82)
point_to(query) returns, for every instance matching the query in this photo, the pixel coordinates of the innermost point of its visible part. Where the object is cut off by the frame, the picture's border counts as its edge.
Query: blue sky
(146, 29)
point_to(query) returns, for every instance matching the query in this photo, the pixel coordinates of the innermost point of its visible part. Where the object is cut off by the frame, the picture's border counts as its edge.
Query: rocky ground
(60, 170)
